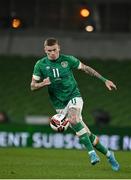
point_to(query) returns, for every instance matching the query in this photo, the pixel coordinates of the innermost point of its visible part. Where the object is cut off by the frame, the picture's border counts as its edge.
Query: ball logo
(59, 122)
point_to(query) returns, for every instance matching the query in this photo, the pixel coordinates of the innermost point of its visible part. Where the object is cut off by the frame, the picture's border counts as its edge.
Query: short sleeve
(37, 72)
(74, 62)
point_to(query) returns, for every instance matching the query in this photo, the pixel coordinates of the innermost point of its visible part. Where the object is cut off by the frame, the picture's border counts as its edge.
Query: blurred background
(98, 33)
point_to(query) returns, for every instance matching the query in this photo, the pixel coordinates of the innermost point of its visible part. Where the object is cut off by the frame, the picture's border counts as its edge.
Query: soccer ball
(59, 122)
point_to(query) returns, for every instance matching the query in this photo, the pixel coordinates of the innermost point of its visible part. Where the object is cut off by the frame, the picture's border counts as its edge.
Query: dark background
(105, 15)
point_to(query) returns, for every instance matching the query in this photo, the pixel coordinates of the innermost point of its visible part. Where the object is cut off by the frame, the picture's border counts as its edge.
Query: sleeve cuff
(37, 78)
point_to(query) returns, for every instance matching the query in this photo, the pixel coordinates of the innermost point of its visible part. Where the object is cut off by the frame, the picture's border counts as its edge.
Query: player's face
(52, 51)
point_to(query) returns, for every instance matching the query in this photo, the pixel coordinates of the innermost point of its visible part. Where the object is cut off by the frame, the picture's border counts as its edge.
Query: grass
(28, 163)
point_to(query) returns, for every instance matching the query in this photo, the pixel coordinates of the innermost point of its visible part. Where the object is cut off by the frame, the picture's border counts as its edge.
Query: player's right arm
(35, 84)
(38, 81)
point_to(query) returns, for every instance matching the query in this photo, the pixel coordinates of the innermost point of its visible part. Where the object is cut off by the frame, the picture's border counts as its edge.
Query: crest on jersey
(64, 64)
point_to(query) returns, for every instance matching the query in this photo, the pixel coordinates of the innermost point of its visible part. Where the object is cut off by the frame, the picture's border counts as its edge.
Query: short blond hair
(50, 42)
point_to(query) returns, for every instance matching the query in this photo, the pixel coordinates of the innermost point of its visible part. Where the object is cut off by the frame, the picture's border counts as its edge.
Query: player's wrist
(41, 84)
(38, 85)
(103, 79)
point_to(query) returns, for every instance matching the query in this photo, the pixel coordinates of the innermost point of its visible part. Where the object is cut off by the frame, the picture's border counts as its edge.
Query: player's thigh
(62, 110)
(74, 110)
(75, 102)
(76, 105)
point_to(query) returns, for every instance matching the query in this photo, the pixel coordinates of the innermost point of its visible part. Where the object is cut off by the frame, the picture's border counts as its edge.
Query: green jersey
(63, 85)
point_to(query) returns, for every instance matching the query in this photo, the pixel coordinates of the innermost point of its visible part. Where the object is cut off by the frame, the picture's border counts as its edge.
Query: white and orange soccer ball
(59, 123)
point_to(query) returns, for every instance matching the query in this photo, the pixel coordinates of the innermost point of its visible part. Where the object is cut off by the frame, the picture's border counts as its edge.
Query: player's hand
(110, 85)
(46, 81)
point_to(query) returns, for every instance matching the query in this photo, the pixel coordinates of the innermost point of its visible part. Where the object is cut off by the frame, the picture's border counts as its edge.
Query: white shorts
(76, 102)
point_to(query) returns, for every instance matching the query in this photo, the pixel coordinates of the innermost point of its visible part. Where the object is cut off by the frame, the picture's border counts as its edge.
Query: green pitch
(16, 163)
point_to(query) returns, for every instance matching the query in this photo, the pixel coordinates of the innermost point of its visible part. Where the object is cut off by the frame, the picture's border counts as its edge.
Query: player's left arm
(87, 69)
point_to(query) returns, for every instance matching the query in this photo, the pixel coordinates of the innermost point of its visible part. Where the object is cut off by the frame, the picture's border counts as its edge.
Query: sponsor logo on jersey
(64, 64)
(47, 67)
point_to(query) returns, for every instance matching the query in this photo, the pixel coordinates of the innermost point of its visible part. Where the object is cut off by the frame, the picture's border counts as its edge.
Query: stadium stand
(18, 101)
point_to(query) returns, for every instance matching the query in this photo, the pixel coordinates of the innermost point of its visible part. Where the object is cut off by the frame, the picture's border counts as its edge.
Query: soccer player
(55, 72)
